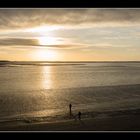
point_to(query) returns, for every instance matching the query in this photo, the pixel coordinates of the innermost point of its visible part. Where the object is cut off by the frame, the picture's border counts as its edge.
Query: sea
(42, 91)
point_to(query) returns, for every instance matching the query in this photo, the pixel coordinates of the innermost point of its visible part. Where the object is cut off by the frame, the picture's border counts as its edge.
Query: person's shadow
(81, 122)
(71, 116)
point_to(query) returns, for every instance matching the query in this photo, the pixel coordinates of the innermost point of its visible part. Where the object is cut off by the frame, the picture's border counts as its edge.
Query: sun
(45, 55)
(47, 41)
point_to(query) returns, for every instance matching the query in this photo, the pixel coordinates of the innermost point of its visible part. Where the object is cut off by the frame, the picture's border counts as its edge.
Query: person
(79, 115)
(70, 106)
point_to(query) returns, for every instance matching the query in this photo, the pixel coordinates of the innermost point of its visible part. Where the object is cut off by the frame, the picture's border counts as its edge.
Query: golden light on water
(47, 77)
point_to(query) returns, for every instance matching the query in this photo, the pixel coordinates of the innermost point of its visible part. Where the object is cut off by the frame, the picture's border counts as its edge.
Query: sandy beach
(121, 123)
(125, 119)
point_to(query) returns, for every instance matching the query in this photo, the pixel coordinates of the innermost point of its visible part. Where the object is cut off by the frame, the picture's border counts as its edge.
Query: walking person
(70, 106)
(79, 115)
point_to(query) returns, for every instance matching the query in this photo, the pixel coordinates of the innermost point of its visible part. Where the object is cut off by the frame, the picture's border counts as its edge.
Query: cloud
(27, 18)
(106, 46)
(18, 41)
(23, 43)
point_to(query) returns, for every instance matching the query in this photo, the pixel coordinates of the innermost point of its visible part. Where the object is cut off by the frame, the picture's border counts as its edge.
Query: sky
(70, 34)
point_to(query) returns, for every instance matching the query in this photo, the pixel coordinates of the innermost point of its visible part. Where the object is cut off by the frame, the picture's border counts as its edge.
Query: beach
(121, 116)
(37, 98)
(121, 123)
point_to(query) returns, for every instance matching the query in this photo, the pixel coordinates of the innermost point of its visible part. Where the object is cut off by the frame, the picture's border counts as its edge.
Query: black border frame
(69, 3)
(72, 4)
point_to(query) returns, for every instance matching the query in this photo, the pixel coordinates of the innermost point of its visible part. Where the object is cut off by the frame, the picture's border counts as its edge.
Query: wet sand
(121, 120)
(119, 123)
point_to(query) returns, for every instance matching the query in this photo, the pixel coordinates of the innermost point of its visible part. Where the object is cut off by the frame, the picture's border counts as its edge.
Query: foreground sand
(119, 123)
(117, 120)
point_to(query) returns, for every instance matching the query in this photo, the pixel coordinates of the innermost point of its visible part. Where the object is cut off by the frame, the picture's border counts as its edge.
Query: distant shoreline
(57, 63)
(7, 61)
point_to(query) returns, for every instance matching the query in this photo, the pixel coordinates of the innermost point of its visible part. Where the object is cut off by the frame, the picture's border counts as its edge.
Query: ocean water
(43, 91)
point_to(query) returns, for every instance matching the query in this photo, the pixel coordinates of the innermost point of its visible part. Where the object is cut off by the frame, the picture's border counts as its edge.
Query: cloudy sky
(70, 34)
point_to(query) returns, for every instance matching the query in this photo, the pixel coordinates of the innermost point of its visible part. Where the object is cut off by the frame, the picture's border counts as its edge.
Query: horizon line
(70, 61)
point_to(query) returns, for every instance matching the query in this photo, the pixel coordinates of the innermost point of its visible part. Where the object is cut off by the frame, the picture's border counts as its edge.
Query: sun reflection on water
(47, 77)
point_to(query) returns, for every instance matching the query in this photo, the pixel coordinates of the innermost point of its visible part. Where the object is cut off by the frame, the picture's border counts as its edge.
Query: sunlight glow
(46, 77)
(45, 55)
(47, 41)
(42, 29)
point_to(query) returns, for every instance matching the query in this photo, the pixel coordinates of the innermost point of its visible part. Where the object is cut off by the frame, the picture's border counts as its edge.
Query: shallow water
(44, 91)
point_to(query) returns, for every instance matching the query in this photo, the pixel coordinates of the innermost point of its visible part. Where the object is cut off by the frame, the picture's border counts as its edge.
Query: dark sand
(119, 123)
(124, 120)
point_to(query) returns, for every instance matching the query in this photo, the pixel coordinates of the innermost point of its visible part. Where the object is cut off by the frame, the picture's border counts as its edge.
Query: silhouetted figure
(70, 106)
(79, 115)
